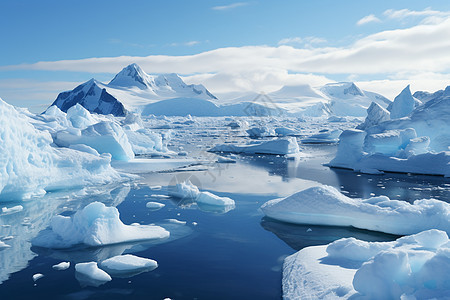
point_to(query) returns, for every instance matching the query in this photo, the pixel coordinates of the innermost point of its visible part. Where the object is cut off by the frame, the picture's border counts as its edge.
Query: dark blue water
(233, 255)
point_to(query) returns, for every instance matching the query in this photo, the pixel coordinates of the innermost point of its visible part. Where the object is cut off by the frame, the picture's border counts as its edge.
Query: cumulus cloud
(307, 41)
(368, 19)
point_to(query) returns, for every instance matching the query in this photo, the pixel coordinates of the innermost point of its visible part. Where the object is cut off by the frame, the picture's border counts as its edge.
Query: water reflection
(301, 236)
(21, 227)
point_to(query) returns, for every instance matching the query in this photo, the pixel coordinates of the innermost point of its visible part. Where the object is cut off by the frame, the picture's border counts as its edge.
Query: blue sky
(51, 31)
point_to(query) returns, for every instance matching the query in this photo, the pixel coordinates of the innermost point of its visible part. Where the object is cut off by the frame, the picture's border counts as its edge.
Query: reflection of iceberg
(36, 216)
(82, 253)
(301, 236)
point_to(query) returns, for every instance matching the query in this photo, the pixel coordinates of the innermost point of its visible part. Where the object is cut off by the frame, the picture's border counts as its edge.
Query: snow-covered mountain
(93, 96)
(130, 90)
(342, 99)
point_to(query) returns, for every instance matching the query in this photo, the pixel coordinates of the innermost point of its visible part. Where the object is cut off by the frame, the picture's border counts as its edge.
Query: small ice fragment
(123, 264)
(91, 271)
(154, 205)
(37, 276)
(3, 245)
(156, 187)
(175, 221)
(6, 238)
(12, 210)
(308, 230)
(61, 266)
(194, 223)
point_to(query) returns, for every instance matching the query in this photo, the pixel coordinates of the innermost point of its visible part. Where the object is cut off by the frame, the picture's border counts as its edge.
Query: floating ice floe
(123, 265)
(325, 136)
(412, 267)
(225, 160)
(95, 225)
(37, 276)
(280, 146)
(3, 245)
(30, 165)
(418, 142)
(11, 210)
(154, 205)
(61, 266)
(90, 274)
(324, 205)
(188, 191)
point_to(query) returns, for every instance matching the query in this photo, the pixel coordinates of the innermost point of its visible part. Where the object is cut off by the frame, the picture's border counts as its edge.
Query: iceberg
(412, 267)
(324, 205)
(280, 146)
(417, 143)
(94, 225)
(61, 266)
(30, 165)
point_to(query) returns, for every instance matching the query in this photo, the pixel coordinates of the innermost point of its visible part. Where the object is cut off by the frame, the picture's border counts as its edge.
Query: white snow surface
(95, 225)
(412, 267)
(324, 205)
(279, 146)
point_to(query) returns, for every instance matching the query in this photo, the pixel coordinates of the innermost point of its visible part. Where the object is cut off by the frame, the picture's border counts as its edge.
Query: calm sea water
(216, 255)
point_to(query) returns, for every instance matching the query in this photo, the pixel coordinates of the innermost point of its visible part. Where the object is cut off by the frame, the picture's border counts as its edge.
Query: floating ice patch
(154, 205)
(11, 210)
(128, 265)
(37, 276)
(324, 205)
(95, 225)
(280, 146)
(90, 274)
(3, 245)
(61, 266)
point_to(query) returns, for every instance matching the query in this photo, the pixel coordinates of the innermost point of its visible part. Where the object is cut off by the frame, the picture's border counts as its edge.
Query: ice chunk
(323, 137)
(206, 200)
(61, 266)
(11, 210)
(3, 245)
(412, 267)
(403, 104)
(154, 205)
(284, 131)
(225, 160)
(259, 132)
(280, 146)
(91, 274)
(79, 116)
(37, 276)
(128, 265)
(95, 225)
(211, 199)
(105, 137)
(324, 205)
(375, 115)
(145, 141)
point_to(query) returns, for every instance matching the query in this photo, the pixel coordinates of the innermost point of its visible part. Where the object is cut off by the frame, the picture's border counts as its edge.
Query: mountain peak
(131, 76)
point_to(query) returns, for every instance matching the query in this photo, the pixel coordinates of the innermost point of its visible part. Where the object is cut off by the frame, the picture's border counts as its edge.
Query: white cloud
(189, 44)
(429, 16)
(368, 19)
(229, 6)
(307, 41)
(399, 55)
